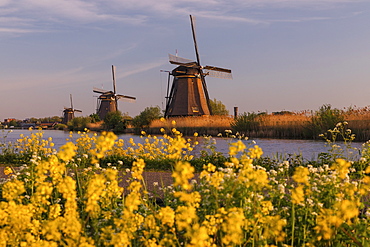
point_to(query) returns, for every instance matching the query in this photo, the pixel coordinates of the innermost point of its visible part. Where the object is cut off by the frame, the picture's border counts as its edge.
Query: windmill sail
(181, 61)
(125, 98)
(217, 72)
(98, 90)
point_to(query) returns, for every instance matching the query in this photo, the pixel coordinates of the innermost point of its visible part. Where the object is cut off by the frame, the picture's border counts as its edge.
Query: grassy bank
(285, 125)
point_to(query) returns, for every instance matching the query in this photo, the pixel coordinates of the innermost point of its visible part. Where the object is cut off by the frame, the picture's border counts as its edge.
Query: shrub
(60, 126)
(323, 119)
(79, 123)
(115, 122)
(94, 118)
(143, 120)
(246, 122)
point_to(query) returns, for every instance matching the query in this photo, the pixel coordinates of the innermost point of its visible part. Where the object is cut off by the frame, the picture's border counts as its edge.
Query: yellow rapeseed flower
(301, 175)
(236, 147)
(255, 152)
(8, 170)
(341, 167)
(67, 151)
(13, 190)
(167, 216)
(183, 172)
(298, 195)
(347, 209)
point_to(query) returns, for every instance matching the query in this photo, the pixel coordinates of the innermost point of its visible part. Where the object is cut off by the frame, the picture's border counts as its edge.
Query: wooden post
(235, 112)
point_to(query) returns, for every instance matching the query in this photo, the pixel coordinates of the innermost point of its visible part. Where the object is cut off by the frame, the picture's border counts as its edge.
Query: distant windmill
(108, 100)
(69, 113)
(189, 94)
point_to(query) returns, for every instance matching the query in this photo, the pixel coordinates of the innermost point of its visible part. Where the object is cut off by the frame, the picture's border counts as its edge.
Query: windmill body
(108, 100)
(106, 104)
(189, 94)
(69, 113)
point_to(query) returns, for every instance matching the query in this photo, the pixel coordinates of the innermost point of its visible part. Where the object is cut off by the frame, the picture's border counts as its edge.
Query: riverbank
(278, 126)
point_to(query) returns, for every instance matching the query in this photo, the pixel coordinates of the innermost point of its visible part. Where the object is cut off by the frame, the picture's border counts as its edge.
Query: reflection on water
(309, 149)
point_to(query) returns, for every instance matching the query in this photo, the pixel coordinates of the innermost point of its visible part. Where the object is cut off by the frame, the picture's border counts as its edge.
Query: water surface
(309, 149)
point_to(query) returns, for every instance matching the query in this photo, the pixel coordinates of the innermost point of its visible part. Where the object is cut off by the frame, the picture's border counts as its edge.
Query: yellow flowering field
(66, 197)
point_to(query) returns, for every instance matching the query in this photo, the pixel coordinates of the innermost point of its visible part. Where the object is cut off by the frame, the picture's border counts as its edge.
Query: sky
(285, 55)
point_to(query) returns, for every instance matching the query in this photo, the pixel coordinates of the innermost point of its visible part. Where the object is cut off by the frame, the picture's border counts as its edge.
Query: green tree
(94, 118)
(13, 123)
(79, 123)
(55, 119)
(114, 121)
(145, 117)
(34, 120)
(218, 108)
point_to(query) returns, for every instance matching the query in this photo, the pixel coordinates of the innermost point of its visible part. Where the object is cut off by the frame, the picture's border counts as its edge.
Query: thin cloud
(17, 30)
(33, 15)
(291, 3)
(77, 10)
(226, 17)
(93, 62)
(36, 13)
(139, 68)
(305, 19)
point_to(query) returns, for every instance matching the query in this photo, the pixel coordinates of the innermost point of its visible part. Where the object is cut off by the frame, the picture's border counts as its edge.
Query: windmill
(108, 100)
(189, 94)
(69, 113)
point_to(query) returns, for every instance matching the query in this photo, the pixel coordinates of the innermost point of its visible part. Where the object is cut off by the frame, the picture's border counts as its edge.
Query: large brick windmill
(189, 94)
(69, 113)
(108, 100)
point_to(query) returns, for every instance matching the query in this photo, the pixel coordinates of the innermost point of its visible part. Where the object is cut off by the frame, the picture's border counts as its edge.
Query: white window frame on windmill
(195, 109)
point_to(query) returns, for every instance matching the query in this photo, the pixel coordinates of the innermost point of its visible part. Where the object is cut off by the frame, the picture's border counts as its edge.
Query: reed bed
(205, 125)
(288, 120)
(202, 121)
(287, 125)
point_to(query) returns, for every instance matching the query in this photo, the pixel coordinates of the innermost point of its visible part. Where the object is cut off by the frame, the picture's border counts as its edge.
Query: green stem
(305, 227)
(351, 237)
(293, 224)
(78, 183)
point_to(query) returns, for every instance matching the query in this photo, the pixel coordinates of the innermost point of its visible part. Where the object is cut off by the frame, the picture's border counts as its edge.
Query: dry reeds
(205, 125)
(276, 125)
(201, 121)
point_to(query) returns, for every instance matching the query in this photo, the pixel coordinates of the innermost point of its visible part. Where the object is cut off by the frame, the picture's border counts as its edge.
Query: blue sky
(284, 54)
